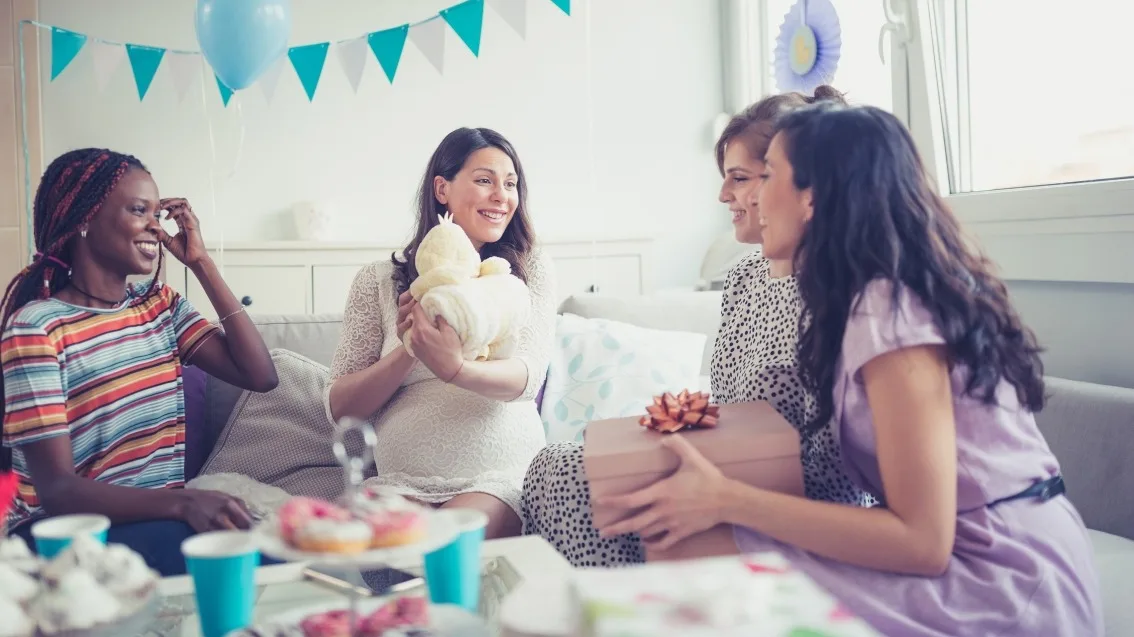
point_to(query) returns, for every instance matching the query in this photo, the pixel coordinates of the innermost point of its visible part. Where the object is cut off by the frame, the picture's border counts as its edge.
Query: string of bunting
(307, 60)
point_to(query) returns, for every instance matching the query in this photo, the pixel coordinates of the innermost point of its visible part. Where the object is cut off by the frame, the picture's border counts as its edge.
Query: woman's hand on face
(406, 303)
(214, 511)
(689, 501)
(437, 346)
(186, 246)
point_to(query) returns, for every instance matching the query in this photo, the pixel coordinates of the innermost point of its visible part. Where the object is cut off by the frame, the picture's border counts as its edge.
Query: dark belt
(1043, 490)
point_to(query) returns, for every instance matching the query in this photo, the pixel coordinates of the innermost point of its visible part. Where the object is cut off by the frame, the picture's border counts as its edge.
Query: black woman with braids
(94, 408)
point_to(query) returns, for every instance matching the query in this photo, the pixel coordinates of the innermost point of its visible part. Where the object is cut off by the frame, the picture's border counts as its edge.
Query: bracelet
(231, 314)
(456, 373)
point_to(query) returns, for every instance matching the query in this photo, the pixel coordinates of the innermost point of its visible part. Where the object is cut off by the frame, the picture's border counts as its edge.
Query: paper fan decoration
(807, 49)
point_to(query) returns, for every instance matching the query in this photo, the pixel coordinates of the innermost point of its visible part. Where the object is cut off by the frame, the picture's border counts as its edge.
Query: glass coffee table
(506, 563)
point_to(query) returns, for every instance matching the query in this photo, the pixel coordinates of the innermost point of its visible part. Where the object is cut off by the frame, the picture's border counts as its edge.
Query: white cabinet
(293, 277)
(330, 285)
(264, 289)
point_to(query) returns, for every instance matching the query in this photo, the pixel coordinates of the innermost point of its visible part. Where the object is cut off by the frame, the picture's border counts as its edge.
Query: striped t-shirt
(110, 379)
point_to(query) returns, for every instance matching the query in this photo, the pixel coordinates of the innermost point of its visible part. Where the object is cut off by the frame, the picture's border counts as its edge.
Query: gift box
(744, 595)
(749, 442)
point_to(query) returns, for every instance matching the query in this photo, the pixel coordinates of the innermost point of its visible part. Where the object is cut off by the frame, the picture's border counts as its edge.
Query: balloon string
(214, 217)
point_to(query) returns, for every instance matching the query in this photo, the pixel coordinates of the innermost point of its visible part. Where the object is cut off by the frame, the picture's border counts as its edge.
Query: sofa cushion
(677, 310)
(198, 440)
(1114, 559)
(290, 426)
(312, 336)
(609, 369)
(1090, 428)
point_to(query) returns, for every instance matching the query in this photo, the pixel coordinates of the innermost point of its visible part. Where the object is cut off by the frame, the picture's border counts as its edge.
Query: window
(1018, 107)
(861, 73)
(1032, 91)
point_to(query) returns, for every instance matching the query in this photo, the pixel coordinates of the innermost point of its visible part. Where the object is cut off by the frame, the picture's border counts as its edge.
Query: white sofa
(1090, 427)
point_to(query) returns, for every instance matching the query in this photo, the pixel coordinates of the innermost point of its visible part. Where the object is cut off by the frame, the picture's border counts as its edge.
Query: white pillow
(606, 369)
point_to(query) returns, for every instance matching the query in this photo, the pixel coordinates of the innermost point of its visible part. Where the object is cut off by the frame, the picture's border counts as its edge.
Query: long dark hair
(514, 246)
(877, 216)
(753, 126)
(72, 190)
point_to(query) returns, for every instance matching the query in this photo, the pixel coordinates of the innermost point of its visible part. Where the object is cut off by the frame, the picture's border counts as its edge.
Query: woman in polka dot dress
(754, 358)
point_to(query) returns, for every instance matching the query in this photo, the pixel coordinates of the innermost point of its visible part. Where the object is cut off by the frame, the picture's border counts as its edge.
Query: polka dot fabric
(556, 505)
(754, 358)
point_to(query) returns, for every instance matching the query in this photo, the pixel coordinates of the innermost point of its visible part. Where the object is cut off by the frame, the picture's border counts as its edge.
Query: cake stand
(441, 527)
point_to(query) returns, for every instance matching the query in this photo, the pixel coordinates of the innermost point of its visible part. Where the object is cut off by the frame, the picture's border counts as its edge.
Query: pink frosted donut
(333, 623)
(393, 520)
(318, 526)
(400, 613)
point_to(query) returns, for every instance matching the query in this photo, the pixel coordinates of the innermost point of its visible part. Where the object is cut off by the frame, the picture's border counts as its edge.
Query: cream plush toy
(482, 300)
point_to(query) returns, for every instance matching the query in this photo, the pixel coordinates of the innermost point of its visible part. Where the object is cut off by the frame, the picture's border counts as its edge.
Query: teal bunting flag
(387, 46)
(225, 92)
(565, 5)
(144, 60)
(65, 45)
(308, 62)
(466, 19)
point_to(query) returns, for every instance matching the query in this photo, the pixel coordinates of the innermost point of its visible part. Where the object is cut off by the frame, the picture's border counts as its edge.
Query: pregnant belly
(433, 429)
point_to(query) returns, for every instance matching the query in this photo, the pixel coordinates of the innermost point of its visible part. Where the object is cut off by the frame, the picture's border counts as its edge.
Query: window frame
(1073, 232)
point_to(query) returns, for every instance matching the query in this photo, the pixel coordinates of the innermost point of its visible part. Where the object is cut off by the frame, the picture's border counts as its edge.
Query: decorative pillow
(197, 440)
(283, 438)
(606, 369)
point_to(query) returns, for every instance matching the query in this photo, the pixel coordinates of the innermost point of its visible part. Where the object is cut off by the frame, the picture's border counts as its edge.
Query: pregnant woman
(451, 432)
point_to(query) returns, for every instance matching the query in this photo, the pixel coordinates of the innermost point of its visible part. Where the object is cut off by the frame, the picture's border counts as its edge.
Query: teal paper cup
(223, 567)
(54, 534)
(452, 572)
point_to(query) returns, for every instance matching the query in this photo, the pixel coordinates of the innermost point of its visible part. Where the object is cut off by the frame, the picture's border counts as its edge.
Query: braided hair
(72, 190)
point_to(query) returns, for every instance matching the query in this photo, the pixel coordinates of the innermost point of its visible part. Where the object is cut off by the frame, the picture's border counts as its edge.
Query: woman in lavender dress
(754, 358)
(922, 365)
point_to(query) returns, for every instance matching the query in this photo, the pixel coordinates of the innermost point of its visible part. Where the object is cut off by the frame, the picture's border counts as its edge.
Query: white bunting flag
(514, 12)
(271, 78)
(107, 58)
(185, 69)
(352, 57)
(429, 37)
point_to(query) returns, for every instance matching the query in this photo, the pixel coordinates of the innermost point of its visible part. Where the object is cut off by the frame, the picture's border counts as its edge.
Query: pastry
(78, 602)
(393, 520)
(401, 614)
(321, 527)
(17, 585)
(83, 553)
(14, 551)
(126, 574)
(405, 616)
(333, 623)
(16, 622)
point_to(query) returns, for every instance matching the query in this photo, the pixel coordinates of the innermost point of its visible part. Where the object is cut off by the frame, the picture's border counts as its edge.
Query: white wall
(610, 113)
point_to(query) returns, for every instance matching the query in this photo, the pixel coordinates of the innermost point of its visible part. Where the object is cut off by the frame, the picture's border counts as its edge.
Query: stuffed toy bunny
(482, 300)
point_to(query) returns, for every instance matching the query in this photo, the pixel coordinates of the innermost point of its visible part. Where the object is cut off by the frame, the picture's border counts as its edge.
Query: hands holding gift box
(688, 502)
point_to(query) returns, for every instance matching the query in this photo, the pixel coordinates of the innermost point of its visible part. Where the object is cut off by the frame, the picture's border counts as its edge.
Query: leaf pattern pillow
(607, 369)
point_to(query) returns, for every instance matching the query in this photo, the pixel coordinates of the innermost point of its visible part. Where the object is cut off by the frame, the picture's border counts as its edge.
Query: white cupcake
(125, 573)
(15, 552)
(16, 585)
(78, 602)
(83, 553)
(16, 622)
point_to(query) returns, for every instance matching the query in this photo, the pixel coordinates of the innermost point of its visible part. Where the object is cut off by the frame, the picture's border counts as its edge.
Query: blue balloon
(241, 39)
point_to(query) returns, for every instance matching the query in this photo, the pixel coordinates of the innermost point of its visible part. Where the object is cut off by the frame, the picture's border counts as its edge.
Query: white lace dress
(436, 441)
